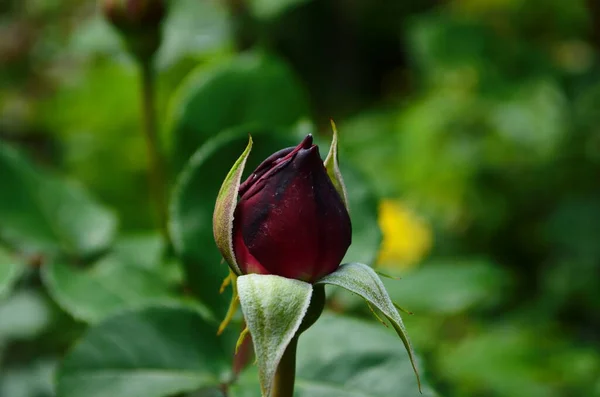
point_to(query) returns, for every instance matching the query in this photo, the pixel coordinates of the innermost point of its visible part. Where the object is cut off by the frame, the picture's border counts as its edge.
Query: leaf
(42, 213)
(273, 308)
(34, 378)
(193, 29)
(252, 89)
(151, 352)
(225, 207)
(268, 9)
(345, 357)
(110, 285)
(24, 315)
(10, 271)
(193, 203)
(142, 250)
(450, 288)
(363, 281)
(333, 169)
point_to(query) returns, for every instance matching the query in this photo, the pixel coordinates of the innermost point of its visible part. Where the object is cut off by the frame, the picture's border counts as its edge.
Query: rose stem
(283, 386)
(156, 172)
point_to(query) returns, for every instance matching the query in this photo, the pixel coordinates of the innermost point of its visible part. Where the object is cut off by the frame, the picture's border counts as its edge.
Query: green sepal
(273, 308)
(333, 168)
(225, 208)
(363, 281)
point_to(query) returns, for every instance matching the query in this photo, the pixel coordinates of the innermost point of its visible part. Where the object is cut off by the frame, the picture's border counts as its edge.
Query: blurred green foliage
(481, 117)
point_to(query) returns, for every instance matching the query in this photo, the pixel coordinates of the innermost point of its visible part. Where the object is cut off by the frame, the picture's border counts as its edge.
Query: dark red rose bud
(290, 220)
(138, 21)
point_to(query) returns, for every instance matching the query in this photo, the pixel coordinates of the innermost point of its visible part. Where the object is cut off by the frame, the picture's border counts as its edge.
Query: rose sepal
(333, 168)
(225, 208)
(364, 281)
(274, 308)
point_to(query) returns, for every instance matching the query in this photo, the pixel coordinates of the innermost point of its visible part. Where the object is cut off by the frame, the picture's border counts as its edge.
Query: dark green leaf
(114, 283)
(10, 271)
(24, 315)
(35, 379)
(366, 235)
(449, 288)
(42, 213)
(342, 357)
(268, 9)
(193, 28)
(363, 281)
(152, 352)
(252, 89)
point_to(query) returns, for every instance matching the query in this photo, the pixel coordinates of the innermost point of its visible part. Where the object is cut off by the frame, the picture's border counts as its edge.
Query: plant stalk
(285, 377)
(156, 162)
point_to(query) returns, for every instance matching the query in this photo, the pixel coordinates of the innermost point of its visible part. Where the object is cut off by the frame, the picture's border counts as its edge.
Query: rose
(290, 220)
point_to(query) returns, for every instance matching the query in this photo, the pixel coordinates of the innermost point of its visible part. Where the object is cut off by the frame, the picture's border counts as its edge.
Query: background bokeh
(472, 126)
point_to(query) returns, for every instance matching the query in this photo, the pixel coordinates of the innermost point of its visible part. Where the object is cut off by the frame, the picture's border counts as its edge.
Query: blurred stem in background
(594, 8)
(156, 160)
(139, 23)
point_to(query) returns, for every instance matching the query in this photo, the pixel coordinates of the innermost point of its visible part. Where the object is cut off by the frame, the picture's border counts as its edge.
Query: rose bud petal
(290, 220)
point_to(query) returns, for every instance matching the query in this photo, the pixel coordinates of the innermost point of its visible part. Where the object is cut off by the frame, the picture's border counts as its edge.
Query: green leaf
(450, 288)
(193, 29)
(268, 9)
(42, 213)
(344, 357)
(10, 271)
(152, 352)
(193, 203)
(142, 250)
(273, 308)
(24, 315)
(366, 234)
(333, 169)
(35, 378)
(110, 285)
(225, 207)
(250, 89)
(363, 281)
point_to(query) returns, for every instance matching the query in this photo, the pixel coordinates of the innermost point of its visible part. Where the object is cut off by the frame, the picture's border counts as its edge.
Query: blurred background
(475, 125)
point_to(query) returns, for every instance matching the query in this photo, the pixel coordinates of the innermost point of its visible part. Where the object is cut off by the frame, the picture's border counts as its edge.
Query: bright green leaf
(152, 352)
(343, 357)
(273, 308)
(363, 281)
(42, 213)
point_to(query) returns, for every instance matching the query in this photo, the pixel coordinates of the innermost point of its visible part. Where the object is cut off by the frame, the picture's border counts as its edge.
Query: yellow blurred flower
(407, 239)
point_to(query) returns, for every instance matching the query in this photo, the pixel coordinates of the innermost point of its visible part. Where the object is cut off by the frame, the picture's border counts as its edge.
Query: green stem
(156, 174)
(283, 386)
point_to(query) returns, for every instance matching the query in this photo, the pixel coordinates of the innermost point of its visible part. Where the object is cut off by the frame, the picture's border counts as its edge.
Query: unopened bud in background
(139, 22)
